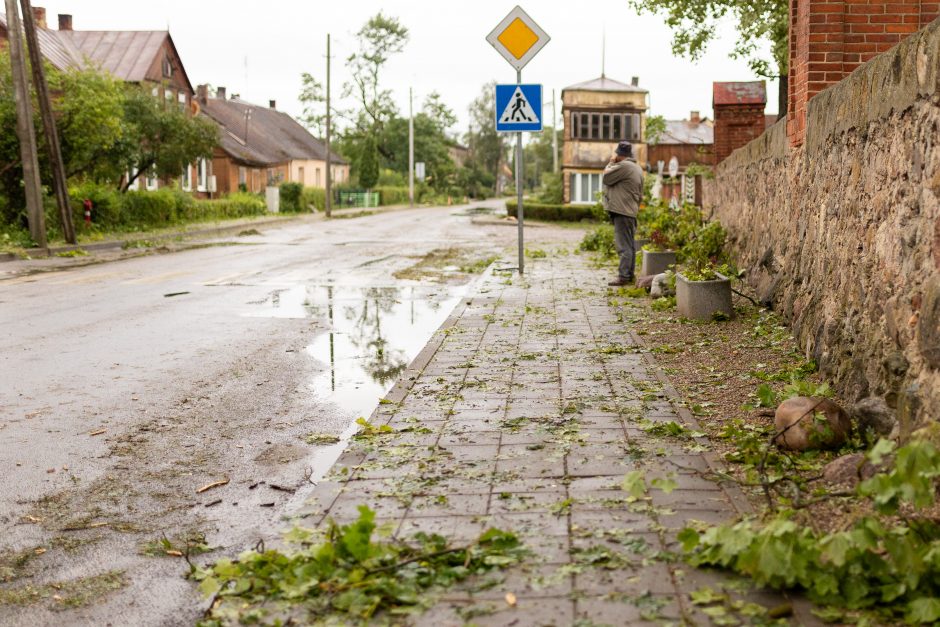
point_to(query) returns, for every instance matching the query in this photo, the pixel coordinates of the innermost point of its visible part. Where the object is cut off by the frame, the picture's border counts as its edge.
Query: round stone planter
(701, 300)
(657, 262)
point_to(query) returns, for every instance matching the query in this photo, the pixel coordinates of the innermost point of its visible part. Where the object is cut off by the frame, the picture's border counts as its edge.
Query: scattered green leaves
(349, 575)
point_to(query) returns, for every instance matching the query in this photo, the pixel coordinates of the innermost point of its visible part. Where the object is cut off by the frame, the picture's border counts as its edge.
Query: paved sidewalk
(525, 412)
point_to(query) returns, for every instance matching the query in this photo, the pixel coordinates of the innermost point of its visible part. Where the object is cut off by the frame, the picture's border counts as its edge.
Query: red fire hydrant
(87, 205)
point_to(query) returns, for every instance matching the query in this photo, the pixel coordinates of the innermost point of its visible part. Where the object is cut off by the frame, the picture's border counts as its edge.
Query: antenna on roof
(603, 51)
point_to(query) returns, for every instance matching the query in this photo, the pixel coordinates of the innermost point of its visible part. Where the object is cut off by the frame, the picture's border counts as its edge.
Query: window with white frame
(316, 178)
(152, 182)
(136, 184)
(181, 99)
(584, 187)
(186, 180)
(202, 175)
(242, 175)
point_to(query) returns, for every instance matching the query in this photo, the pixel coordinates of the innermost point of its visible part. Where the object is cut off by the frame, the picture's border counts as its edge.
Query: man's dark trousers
(624, 232)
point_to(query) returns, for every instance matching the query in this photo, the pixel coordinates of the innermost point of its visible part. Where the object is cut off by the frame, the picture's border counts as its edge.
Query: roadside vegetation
(852, 526)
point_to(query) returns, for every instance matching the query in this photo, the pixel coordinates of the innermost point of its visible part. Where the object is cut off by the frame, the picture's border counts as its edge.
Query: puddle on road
(372, 334)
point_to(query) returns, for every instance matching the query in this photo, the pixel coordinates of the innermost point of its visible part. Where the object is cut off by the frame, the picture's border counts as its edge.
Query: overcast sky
(259, 49)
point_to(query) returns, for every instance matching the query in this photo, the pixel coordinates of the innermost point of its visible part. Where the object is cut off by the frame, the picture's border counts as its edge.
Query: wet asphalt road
(118, 402)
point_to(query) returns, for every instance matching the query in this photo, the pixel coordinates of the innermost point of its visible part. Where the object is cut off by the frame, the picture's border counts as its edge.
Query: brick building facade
(829, 39)
(739, 115)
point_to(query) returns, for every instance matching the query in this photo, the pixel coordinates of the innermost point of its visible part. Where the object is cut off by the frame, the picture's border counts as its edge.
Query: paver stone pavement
(525, 412)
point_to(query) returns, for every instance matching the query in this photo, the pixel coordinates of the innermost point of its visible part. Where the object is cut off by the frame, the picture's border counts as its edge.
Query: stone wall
(842, 235)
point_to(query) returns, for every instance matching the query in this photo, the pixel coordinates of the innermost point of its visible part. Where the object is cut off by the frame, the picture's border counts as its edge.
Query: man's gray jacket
(623, 187)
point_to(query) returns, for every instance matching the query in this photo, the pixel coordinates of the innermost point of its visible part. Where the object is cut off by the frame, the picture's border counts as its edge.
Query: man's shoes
(620, 282)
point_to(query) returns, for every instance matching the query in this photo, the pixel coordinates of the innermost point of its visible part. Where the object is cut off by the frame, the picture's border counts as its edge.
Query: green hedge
(163, 207)
(156, 208)
(292, 197)
(555, 213)
(392, 195)
(314, 196)
(237, 205)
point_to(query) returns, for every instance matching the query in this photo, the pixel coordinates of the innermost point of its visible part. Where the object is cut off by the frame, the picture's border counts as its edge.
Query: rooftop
(126, 55)
(59, 51)
(607, 84)
(688, 132)
(749, 92)
(273, 136)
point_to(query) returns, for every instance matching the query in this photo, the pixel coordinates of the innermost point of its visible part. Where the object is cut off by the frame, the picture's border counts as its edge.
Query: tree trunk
(784, 96)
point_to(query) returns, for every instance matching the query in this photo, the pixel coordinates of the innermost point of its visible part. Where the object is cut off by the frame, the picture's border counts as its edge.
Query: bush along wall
(556, 213)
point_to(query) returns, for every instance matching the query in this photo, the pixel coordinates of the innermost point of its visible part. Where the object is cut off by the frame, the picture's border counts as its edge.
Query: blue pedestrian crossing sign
(518, 108)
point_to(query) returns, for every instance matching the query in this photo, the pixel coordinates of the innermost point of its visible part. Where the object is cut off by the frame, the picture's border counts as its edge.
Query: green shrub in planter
(554, 213)
(291, 194)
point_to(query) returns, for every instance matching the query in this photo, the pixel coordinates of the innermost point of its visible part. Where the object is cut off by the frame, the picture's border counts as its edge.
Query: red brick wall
(735, 126)
(830, 38)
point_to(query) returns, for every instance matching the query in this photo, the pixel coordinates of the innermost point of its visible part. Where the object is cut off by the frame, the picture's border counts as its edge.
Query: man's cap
(625, 149)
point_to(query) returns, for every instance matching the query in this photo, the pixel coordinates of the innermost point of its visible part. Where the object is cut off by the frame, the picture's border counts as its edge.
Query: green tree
(487, 147)
(655, 127)
(368, 162)
(538, 157)
(431, 126)
(694, 25)
(162, 138)
(380, 38)
(313, 98)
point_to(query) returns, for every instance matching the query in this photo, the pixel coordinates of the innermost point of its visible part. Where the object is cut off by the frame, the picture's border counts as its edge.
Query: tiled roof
(605, 84)
(273, 136)
(685, 132)
(126, 55)
(750, 92)
(59, 51)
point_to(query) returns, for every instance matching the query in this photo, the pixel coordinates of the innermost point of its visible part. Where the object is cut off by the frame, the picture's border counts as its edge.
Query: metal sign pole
(519, 174)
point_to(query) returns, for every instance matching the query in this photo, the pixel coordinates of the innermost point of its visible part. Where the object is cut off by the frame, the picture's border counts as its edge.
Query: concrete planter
(700, 300)
(656, 263)
(638, 244)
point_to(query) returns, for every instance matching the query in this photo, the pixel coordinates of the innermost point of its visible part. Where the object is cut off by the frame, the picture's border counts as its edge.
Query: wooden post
(329, 157)
(48, 123)
(24, 128)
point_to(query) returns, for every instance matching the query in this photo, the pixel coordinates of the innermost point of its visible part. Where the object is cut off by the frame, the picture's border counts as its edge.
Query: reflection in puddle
(372, 334)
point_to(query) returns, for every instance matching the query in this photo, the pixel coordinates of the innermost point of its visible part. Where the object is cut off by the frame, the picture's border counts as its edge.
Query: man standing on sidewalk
(623, 190)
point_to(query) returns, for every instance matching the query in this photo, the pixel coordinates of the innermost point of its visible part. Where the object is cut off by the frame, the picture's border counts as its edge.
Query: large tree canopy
(693, 23)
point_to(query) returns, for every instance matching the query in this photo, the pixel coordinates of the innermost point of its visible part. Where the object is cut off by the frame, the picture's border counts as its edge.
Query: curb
(120, 244)
(734, 493)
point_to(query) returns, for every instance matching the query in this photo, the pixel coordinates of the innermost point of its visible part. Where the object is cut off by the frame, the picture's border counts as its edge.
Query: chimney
(695, 118)
(220, 93)
(202, 94)
(635, 81)
(272, 104)
(39, 16)
(65, 21)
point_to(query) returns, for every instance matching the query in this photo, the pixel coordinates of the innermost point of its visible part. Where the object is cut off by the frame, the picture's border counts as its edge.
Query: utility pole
(411, 151)
(519, 173)
(554, 135)
(48, 123)
(328, 206)
(24, 128)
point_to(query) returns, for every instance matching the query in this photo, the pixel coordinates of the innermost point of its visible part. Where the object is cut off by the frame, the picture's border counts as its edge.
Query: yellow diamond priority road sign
(518, 38)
